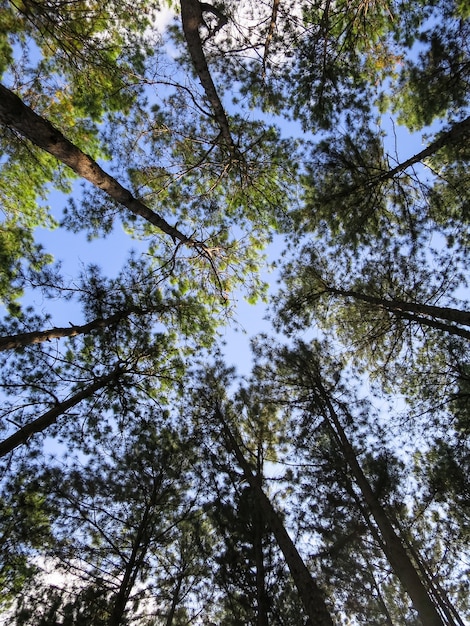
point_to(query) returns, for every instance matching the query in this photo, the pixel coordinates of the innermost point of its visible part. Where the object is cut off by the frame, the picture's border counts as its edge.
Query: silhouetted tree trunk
(139, 549)
(50, 417)
(10, 342)
(311, 596)
(425, 314)
(391, 543)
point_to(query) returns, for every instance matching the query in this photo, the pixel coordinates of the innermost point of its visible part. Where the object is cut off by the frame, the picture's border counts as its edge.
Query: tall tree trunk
(174, 600)
(192, 20)
(18, 116)
(458, 133)
(426, 313)
(258, 528)
(391, 543)
(439, 594)
(136, 559)
(50, 417)
(10, 342)
(311, 595)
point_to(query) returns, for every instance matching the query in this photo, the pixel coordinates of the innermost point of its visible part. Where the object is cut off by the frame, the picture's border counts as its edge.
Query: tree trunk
(10, 342)
(18, 116)
(258, 527)
(269, 36)
(398, 307)
(139, 550)
(458, 133)
(392, 545)
(311, 596)
(439, 594)
(50, 417)
(192, 20)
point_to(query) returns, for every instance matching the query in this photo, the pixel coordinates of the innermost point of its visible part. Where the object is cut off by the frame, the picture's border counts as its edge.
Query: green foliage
(88, 607)
(133, 495)
(331, 505)
(436, 85)
(15, 245)
(341, 199)
(25, 530)
(119, 524)
(346, 52)
(25, 174)
(73, 64)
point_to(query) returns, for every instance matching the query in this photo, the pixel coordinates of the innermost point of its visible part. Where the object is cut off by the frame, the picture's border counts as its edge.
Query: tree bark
(311, 595)
(10, 342)
(50, 417)
(21, 118)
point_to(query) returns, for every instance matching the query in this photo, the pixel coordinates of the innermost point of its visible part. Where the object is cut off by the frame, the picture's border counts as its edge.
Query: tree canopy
(144, 482)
